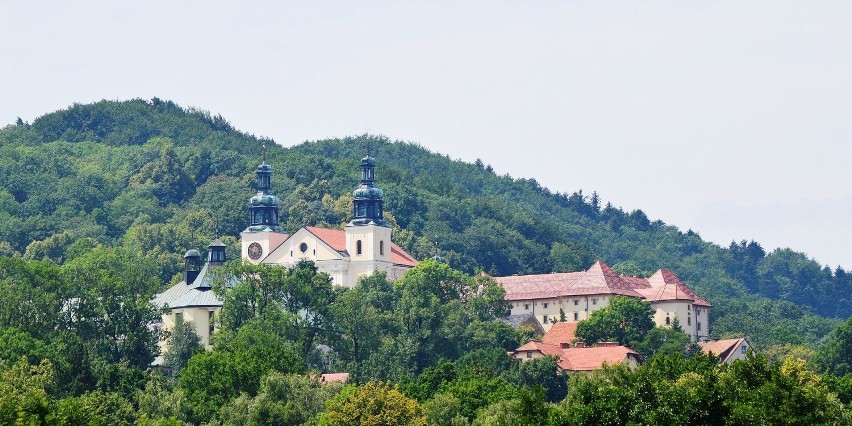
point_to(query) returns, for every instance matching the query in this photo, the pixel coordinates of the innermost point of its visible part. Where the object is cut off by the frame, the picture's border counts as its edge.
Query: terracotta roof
(724, 349)
(582, 358)
(593, 358)
(665, 285)
(599, 279)
(561, 332)
(525, 287)
(334, 377)
(544, 348)
(336, 238)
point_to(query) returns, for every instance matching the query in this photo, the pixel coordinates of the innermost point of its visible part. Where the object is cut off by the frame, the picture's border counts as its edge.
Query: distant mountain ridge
(160, 178)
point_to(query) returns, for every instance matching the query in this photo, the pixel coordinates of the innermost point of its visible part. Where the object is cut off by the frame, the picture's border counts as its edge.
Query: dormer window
(358, 249)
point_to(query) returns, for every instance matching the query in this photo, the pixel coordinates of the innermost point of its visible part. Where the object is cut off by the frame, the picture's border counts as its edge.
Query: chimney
(607, 344)
(191, 266)
(580, 345)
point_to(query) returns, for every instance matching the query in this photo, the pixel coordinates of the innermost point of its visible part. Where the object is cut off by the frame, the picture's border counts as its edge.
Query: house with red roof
(578, 357)
(363, 247)
(728, 350)
(574, 296)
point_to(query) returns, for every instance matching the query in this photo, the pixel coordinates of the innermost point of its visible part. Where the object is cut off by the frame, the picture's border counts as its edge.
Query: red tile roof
(593, 358)
(582, 358)
(561, 332)
(599, 279)
(724, 349)
(336, 238)
(665, 285)
(334, 377)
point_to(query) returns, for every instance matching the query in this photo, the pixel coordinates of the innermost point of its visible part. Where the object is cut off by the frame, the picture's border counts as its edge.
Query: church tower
(263, 233)
(368, 236)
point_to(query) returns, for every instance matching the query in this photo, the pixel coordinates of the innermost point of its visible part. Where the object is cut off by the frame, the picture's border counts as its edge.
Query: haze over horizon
(726, 118)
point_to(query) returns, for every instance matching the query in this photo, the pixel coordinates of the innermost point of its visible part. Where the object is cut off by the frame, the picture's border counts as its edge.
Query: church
(363, 247)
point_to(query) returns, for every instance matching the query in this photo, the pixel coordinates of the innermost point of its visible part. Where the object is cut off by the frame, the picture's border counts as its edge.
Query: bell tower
(264, 233)
(368, 236)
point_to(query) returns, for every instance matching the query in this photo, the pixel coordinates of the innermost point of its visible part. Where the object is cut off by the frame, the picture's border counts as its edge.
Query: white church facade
(363, 247)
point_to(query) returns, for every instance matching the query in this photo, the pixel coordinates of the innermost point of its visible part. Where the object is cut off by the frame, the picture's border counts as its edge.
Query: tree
(166, 177)
(835, 355)
(666, 340)
(626, 320)
(23, 394)
(374, 404)
(183, 343)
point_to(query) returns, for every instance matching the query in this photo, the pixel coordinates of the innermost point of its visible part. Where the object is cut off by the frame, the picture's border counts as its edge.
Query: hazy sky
(730, 118)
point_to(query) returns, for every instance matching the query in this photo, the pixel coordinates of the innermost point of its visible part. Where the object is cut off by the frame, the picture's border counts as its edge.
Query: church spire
(264, 205)
(368, 201)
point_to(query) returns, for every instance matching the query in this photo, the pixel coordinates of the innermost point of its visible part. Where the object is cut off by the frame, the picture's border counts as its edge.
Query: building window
(699, 326)
(303, 247)
(381, 248)
(688, 320)
(358, 247)
(527, 306)
(668, 321)
(291, 253)
(545, 319)
(576, 302)
(576, 316)
(688, 307)
(545, 305)
(210, 322)
(178, 317)
(743, 349)
(594, 301)
(529, 354)
(697, 311)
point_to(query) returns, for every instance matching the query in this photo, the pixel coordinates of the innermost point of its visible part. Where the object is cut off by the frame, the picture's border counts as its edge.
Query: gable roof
(561, 332)
(336, 239)
(724, 349)
(665, 285)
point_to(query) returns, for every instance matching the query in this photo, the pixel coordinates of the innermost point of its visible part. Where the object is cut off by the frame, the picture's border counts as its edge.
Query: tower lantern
(368, 201)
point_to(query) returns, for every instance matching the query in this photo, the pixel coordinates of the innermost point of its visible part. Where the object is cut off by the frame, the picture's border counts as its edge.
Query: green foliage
(835, 355)
(625, 320)
(183, 343)
(374, 404)
(282, 399)
(23, 395)
(666, 340)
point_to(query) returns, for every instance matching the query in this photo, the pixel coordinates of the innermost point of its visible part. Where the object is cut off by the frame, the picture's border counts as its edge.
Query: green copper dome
(368, 201)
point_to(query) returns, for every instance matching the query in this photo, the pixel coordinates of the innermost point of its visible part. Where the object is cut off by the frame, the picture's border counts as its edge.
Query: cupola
(216, 253)
(263, 207)
(191, 266)
(368, 201)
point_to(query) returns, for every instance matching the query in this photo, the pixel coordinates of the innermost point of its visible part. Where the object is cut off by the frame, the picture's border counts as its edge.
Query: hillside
(158, 178)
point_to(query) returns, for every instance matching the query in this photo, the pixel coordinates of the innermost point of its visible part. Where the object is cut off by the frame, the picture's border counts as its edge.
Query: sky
(729, 118)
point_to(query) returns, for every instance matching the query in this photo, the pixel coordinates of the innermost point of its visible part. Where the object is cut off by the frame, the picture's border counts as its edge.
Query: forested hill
(159, 179)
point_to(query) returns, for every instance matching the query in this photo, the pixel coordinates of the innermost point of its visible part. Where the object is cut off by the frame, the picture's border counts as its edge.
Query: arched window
(358, 247)
(381, 248)
(668, 321)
